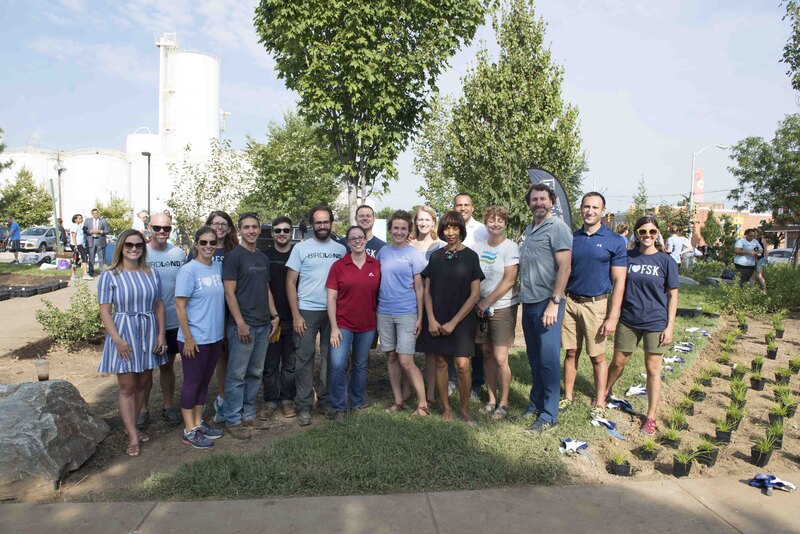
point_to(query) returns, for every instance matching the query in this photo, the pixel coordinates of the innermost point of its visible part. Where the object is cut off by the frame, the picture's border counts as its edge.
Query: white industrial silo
(188, 111)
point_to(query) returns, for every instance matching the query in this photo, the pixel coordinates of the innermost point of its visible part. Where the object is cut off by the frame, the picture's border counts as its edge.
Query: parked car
(300, 233)
(779, 255)
(38, 239)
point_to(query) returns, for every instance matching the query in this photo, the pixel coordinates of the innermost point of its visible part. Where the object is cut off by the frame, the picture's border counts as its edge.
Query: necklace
(450, 254)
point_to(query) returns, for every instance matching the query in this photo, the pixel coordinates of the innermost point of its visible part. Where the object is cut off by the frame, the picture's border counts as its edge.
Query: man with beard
(308, 268)
(545, 263)
(365, 219)
(245, 275)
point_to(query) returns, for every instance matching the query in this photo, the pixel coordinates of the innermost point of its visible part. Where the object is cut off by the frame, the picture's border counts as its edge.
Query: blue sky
(654, 81)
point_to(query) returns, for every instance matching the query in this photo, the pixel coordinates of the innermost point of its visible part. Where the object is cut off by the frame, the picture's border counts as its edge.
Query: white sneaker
(87, 277)
(75, 277)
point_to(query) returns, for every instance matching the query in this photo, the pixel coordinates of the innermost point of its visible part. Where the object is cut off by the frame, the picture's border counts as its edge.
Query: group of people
(450, 289)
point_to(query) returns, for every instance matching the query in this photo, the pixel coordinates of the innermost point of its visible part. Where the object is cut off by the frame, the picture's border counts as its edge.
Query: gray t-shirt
(537, 259)
(312, 260)
(250, 270)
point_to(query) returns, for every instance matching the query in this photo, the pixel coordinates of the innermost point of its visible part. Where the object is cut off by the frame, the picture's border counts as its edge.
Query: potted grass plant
(776, 413)
(686, 405)
(794, 365)
(775, 431)
(783, 375)
(619, 464)
(772, 350)
(705, 378)
(741, 319)
(790, 402)
(757, 381)
(682, 462)
(714, 371)
(677, 419)
(724, 429)
(696, 393)
(724, 358)
(777, 323)
(707, 452)
(781, 390)
(737, 371)
(757, 363)
(769, 337)
(734, 414)
(761, 451)
(739, 397)
(671, 437)
(648, 450)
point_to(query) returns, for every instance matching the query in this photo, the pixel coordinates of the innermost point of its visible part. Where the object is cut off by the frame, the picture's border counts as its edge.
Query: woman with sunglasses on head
(227, 240)
(648, 312)
(129, 294)
(452, 288)
(200, 303)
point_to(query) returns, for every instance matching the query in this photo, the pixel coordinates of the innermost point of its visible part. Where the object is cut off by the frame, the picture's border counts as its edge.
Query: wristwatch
(273, 317)
(556, 300)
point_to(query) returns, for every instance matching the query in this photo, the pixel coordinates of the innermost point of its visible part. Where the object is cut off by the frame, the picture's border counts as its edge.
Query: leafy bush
(80, 322)
(704, 269)
(733, 298)
(783, 286)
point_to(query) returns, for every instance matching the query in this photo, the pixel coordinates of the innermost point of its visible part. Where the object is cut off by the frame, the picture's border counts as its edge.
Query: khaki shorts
(582, 323)
(626, 339)
(498, 330)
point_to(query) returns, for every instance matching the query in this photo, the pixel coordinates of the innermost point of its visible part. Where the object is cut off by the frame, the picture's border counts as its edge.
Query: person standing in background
(96, 230)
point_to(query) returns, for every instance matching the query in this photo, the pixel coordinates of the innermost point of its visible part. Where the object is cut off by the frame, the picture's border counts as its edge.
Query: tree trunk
(351, 201)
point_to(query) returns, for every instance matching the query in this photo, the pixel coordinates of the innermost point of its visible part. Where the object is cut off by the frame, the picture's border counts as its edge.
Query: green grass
(373, 452)
(33, 270)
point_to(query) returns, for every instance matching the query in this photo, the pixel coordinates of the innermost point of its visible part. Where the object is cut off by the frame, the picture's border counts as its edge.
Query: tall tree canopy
(28, 202)
(511, 117)
(791, 52)
(3, 164)
(365, 71)
(769, 172)
(431, 148)
(294, 170)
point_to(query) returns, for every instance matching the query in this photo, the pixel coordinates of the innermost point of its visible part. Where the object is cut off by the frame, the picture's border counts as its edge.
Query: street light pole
(691, 185)
(148, 181)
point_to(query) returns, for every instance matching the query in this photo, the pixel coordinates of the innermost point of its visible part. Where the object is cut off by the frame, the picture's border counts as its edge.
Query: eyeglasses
(219, 224)
(133, 246)
(157, 229)
(356, 239)
(281, 230)
(321, 223)
(644, 231)
(206, 242)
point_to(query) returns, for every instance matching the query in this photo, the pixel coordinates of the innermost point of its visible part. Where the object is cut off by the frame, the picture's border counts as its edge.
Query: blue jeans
(245, 367)
(544, 356)
(360, 342)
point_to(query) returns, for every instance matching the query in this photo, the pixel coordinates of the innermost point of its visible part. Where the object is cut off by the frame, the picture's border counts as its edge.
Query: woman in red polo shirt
(352, 284)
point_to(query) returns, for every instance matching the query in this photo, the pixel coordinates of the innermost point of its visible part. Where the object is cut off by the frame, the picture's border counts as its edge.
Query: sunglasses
(644, 231)
(281, 230)
(206, 242)
(133, 246)
(157, 229)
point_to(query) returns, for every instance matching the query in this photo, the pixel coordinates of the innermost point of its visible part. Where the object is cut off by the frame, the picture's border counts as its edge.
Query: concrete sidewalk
(691, 506)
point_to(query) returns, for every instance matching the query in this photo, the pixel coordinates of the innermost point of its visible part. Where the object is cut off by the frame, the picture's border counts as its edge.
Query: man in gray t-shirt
(545, 262)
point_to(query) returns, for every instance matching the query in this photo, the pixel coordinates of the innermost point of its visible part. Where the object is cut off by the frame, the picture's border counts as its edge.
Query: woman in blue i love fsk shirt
(648, 311)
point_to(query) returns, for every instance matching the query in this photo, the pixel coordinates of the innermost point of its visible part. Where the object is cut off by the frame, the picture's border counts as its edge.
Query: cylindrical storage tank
(40, 161)
(92, 176)
(191, 102)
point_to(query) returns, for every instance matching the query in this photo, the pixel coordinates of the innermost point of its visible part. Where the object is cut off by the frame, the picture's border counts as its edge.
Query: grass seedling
(741, 317)
(781, 390)
(677, 418)
(775, 430)
(772, 346)
(739, 396)
(714, 371)
(724, 358)
(779, 409)
(769, 337)
(686, 404)
(777, 319)
(757, 362)
(619, 457)
(649, 445)
(734, 413)
(706, 375)
(756, 376)
(764, 445)
(783, 373)
(684, 456)
(794, 364)
(671, 434)
(724, 425)
(706, 444)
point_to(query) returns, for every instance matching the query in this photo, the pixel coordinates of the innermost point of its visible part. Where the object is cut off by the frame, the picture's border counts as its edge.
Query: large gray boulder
(46, 430)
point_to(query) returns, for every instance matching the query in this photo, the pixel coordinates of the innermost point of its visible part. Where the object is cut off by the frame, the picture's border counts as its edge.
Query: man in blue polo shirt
(13, 238)
(599, 263)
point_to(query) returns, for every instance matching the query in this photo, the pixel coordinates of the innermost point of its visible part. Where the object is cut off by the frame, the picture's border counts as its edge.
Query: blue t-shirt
(167, 263)
(14, 229)
(202, 285)
(644, 305)
(398, 268)
(592, 259)
(312, 260)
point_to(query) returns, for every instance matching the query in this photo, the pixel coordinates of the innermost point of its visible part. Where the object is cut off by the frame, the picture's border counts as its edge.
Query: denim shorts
(397, 332)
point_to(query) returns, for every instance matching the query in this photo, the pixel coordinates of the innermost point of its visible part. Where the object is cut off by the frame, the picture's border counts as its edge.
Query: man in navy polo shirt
(599, 263)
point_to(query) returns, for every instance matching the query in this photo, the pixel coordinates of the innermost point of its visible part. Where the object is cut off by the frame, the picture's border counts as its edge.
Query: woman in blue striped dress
(129, 293)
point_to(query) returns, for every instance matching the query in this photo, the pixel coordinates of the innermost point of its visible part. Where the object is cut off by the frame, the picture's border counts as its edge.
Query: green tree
(28, 202)
(431, 149)
(673, 217)
(294, 170)
(730, 233)
(364, 72)
(711, 230)
(384, 213)
(639, 206)
(769, 173)
(200, 188)
(791, 52)
(511, 117)
(117, 213)
(3, 164)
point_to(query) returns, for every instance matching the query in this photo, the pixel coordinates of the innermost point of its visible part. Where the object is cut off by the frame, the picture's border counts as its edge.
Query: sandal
(500, 413)
(470, 422)
(143, 438)
(488, 408)
(133, 450)
(421, 411)
(395, 408)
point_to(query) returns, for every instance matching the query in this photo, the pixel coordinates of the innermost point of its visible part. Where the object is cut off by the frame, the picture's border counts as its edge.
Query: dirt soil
(31, 280)
(109, 468)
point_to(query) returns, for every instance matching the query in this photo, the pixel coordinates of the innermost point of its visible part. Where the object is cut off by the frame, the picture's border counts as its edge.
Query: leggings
(197, 373)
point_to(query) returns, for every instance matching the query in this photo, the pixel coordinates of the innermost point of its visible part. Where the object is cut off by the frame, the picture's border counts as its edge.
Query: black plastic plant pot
(706, 382)
(772, 354)
(775, 418)
(758, 458)
(680, 469)
(724, 436)
(737, 373)
(784, 380)
(621, 470)
(708, 458)
(756, 367)
(734, 422)
(698, 396)
(794, 369)
(778, 441)
(689, 410)
(743, 328)
(758, 385)
(791, 410)
(778, 334)
(671, 443)
(647, 456)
